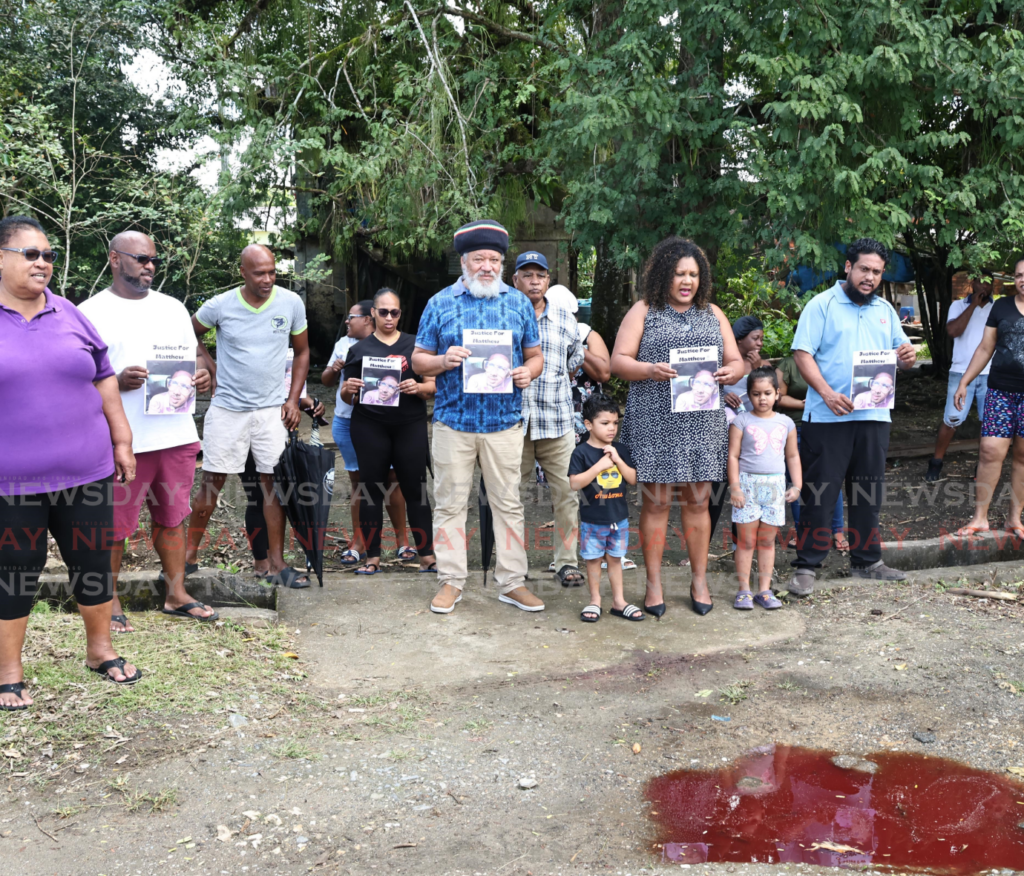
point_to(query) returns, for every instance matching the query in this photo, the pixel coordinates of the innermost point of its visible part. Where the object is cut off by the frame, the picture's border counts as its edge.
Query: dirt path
(418, 768)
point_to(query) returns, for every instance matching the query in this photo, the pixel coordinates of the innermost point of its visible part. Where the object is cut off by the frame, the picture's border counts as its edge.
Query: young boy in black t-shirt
(601, 468)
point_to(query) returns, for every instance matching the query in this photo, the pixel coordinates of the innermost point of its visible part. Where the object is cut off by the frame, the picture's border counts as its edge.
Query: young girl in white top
(761, 443)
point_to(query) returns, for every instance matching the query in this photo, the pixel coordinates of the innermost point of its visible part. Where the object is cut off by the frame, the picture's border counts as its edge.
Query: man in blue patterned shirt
(478, 426)
(547, 409)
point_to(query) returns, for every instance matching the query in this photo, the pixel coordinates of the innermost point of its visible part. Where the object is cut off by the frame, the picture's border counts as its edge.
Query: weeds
(139, 801)
(787, 685)
(68, 811)
(478, 726)
(295, 750)
(734, 693)
(192, 674)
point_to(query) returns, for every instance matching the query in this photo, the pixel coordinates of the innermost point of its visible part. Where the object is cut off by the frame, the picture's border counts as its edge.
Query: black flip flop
(432, 568)
(288, 577)
(630, 613)
(564, 573)
(121, 619)
(118, 663)
(16, 688)
(183, 611)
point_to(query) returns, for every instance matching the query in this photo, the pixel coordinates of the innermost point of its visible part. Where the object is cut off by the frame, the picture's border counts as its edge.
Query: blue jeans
(341, 430)
(837, 512)
(976, 391)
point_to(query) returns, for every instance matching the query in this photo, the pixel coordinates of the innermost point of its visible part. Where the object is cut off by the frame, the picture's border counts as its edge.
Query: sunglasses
(142, 259)
(31, 253)
(353, 316)
(383, 311)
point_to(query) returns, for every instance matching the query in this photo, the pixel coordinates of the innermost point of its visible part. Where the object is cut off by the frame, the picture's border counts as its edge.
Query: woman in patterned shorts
(1003, 424)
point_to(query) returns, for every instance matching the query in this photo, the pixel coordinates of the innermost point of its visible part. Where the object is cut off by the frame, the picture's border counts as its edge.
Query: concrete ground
(430, 727)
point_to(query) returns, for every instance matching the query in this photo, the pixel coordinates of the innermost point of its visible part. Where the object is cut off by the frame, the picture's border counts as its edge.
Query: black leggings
(255, 523)
(380, 447)
(82, 522)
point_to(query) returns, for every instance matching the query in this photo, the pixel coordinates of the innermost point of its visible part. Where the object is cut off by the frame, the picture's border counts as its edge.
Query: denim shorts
(599, 539)
(976, 391)
(341, 430)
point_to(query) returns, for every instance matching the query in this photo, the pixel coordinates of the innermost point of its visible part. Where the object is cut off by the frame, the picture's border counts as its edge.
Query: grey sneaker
(878, 572)
(802, 582)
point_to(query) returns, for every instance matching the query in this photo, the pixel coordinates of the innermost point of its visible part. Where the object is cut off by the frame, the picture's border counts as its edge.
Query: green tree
(896, 121)
(80, 140)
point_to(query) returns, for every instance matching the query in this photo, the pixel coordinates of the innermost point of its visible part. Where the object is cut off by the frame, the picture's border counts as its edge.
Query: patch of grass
(787, 685)
(190, 671)
(734, 693)
(399, 755)
(139, 801)
(294, 750)
(478, 726)
(68, 811)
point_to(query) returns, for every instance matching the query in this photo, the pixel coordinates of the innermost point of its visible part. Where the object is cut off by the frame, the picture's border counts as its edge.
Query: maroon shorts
(163, 479)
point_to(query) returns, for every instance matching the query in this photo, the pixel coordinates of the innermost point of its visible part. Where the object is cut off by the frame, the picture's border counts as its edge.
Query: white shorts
(228, 436)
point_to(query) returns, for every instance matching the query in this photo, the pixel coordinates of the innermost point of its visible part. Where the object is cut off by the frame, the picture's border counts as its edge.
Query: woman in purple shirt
(55, 377)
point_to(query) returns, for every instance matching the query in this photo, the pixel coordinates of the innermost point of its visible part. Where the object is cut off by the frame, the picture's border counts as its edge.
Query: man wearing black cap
(484, 427)
(547, 409)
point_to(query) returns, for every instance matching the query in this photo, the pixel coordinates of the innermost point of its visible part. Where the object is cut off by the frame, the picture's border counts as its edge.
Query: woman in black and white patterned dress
(677, 455)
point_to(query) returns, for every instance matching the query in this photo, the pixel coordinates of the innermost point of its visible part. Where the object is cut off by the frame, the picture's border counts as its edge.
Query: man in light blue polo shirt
(838, 442)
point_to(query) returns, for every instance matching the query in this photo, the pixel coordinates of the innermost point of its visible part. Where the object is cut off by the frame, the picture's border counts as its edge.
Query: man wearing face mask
(839, 440)
(132, 319)
(478, 426)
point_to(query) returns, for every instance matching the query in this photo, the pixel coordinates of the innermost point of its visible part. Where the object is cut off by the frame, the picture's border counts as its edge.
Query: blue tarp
(899, 270)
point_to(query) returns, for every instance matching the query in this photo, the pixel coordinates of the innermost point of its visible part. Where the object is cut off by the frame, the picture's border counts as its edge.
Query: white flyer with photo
(873, 382)
(694, 387)
(381, 376)
(170, 387)
(489, 366)
(289, 362)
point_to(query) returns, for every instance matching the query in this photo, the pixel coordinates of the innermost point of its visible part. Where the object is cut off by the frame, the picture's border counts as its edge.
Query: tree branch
(248, 20)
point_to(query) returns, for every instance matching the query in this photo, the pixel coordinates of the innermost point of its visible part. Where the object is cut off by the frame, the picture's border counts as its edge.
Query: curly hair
(660, 270)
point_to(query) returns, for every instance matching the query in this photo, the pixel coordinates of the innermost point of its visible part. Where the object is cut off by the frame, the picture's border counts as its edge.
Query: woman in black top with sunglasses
(389, 430)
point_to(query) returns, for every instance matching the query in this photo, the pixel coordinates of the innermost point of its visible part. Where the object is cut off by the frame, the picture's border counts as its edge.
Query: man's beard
(856, 296)
(482, 288)
(137, 282)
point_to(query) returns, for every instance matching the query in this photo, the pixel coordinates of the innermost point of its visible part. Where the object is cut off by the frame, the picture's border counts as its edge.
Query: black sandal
(570, 576)
(288, 577)
(117, 663)
(630, 613)
(183, 611)
(121, 619)
(16, 688)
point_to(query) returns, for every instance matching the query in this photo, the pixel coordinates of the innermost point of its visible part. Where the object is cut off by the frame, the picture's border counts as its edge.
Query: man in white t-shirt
(139, 324)
(359, 325)
(966, 326)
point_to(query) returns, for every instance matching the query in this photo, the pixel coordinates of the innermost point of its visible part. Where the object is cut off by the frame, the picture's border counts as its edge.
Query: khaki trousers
(455, 455)
(554, 454)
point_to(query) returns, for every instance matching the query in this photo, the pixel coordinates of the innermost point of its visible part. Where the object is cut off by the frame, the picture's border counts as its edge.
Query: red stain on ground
(792, 805)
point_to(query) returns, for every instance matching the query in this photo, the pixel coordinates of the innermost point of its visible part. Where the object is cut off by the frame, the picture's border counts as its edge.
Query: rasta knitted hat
(482, 234)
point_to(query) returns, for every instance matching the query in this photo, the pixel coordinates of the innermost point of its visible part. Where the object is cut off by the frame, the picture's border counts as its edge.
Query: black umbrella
(486, 528)
(304, 478)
